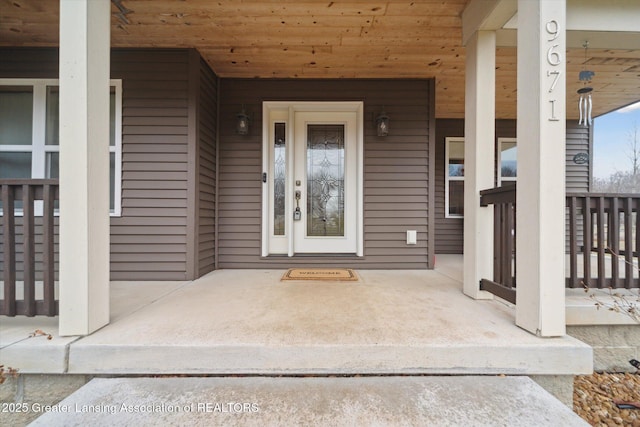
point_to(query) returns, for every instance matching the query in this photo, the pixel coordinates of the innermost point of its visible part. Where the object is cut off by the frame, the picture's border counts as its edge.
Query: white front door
(324, 176)
(312, 203)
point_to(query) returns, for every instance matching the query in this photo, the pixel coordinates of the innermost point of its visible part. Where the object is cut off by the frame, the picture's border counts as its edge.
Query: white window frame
(448, 178)
(502, 179)
(38, 147)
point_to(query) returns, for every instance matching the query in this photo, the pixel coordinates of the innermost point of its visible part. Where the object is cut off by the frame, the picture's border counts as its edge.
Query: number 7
(555, 80)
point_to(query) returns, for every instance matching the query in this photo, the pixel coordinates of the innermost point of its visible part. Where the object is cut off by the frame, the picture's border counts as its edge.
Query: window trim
(502, 179)
(38, 147)
(448, 178)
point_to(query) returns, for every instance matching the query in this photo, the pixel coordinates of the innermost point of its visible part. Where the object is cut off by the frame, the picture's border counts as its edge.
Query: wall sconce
(242, 123)
(382, 124)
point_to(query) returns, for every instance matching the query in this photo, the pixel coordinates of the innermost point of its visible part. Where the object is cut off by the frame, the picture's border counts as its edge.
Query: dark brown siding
(449, 231)
(207, 137)
(148, 242)
(396, 171)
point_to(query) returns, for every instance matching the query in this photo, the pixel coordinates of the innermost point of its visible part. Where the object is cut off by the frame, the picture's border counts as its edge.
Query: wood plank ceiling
(327, 39)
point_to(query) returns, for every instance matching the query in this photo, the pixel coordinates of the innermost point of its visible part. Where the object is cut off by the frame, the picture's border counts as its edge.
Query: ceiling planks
(328, 39)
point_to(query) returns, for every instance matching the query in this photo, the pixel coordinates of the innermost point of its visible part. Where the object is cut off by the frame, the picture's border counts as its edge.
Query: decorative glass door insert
(279, 179)
(325, 180)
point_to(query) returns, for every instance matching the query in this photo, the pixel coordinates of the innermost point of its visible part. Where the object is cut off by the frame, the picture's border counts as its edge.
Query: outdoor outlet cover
(411, 237)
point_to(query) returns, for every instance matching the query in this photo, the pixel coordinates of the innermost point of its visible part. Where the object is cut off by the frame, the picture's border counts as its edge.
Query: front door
(313, 194)
(325, 182)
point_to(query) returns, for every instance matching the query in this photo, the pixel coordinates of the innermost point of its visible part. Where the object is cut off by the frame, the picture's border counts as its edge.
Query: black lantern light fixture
(242, 123)
(382, 124)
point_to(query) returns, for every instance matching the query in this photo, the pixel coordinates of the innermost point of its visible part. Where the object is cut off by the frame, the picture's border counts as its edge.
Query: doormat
(321, 274)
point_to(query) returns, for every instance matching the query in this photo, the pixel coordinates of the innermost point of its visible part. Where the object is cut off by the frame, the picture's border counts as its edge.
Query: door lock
(297, 214)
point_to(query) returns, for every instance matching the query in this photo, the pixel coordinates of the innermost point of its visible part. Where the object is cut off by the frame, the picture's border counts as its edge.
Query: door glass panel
(279, 176)
(325, 180)
(16, 115)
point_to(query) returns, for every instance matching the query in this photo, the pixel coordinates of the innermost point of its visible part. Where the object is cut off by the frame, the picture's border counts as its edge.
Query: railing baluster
(628, 243)
(573, 243)
(588, 240)
(601, 242)
(9, 248)
(614, 239)
(513, 242)
(497, 249)
(507, 239)
(48, 262)
(637, 240)
(28, 251)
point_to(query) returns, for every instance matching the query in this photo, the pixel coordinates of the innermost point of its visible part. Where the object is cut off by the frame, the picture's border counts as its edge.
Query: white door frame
(284, 112)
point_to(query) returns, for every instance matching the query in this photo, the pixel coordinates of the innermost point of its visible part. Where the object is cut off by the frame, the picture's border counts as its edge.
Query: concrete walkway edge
(312, 401)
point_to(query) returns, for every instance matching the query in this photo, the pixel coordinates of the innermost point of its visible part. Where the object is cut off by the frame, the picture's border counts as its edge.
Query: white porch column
(479, 142)
(540, 203)
(84, 165)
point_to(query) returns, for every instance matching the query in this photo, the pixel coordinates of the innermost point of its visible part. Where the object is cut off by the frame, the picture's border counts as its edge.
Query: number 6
(553, 58)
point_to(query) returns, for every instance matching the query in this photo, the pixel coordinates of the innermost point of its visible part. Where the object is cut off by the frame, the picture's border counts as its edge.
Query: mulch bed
(595, 397)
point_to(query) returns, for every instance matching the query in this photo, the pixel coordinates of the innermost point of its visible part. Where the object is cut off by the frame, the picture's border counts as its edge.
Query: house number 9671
(554, 58)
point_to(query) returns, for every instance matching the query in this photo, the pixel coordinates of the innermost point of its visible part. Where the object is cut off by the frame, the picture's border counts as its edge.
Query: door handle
(297, 214)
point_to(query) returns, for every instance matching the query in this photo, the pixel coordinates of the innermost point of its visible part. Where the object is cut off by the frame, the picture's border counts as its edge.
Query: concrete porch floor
(250, 322)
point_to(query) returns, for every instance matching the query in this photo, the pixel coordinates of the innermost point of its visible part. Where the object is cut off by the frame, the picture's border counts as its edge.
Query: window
(507, 159)
(454, 178)
(279, 178)
(29, 132)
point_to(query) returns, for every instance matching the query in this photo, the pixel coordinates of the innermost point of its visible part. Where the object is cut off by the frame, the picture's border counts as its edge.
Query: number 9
(553, 28)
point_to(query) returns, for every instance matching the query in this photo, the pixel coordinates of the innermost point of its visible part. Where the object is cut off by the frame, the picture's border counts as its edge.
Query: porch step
(312, 401)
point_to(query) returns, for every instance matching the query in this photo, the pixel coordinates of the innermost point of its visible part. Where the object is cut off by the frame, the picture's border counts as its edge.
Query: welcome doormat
(321, 274)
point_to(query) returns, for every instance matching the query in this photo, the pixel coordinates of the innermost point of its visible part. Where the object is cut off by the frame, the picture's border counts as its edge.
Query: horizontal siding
(578, 176)
(448, 231)
(207, 134)
(148, 242)
(395, 171)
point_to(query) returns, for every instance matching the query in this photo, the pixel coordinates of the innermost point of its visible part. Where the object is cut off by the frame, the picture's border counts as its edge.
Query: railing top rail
(503, 194)
(619, 195)
(29, 181)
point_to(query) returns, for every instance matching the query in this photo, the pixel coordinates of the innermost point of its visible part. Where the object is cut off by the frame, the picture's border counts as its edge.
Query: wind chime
(584, 103)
